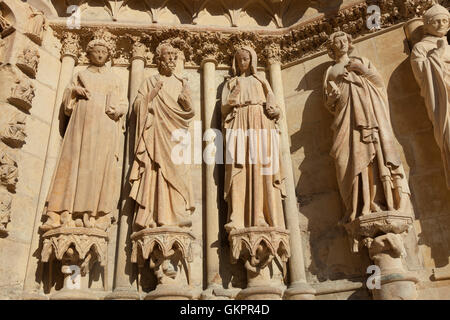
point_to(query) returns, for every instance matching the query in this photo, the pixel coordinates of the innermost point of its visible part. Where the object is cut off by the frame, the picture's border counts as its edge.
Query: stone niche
(315, 256)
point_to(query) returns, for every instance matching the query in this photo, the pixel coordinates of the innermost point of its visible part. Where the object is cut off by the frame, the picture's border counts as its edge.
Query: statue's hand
(236, 90)
(185, 98)
(441, 45)
(81, 92)
(113, 113)
(273, 112)
(333, 95)
(357, 67)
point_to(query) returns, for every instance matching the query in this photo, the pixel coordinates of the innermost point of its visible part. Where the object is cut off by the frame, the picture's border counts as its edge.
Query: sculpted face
(341, 45)
(98, 56)
(438, 26)
(168, 59)
(243, 60)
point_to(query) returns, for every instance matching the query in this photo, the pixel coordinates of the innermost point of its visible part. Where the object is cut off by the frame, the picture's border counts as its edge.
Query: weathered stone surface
(289, 37)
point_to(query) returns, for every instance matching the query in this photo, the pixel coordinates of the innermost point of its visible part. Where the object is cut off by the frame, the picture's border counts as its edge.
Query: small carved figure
(14, 133)
(4, 24)
(5, 210)
(36, 25)
(9, 172)
(162, 188)
(250, 116)
(28, 62)
(22, 94)
(369, 170)
(87, 176)
(430, 60)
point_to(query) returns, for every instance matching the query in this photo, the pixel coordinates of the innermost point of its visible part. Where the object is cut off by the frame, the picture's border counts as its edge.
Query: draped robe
(254, 197)
(161, 188)
(362, 119)
(87, 175)
(432, 73)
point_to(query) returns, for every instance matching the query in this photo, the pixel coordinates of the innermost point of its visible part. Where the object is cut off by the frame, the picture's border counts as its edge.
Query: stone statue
(254, 197)
(23, 93)
(28, 62)
(161, 188)
(13, 133)
(36, 25)
(5, 210)
(9, 172)
(4, 24)
(369, 170)
(88, 174)
(430, 60)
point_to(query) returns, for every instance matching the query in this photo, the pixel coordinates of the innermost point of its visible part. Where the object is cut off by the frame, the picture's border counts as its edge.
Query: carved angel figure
(87, 174)
(162, 188)
(4, 24)
(249, 111)
(36, 25)
(369, 170)
(9, 172)
(5, 208)
(430, 60)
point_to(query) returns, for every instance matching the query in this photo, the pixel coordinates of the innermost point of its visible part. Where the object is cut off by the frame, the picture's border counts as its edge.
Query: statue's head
(98, 52)
(166, 58)
(244, 61)
(338, 44)
(436, 21)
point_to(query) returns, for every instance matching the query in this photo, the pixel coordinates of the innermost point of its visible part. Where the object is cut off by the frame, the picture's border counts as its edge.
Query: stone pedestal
(168, 252)
(263, 250)
(77, 249)
(382, 233)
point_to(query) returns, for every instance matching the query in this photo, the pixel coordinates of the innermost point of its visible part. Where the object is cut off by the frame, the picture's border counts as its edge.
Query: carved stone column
(69, 55)
(298, 289)
(77, 249)
(212, 209)
(167, 250)
(263, 250)
(125, 286)
(382, 233)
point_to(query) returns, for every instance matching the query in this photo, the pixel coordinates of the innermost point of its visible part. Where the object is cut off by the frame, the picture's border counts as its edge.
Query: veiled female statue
(84, 188)
(430, 60)
(161, 187)
(369, 170)
(254, 194)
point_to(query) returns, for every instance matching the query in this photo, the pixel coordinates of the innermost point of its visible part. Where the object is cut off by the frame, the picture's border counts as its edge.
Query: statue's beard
(167, 67)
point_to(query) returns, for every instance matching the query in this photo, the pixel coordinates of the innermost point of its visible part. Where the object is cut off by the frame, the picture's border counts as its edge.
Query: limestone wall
(15, 247)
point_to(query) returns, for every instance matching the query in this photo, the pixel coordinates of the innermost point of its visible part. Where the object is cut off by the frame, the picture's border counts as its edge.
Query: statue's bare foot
(49, 225)
(187, 222)
(87, 221)
(365, 210)
(78, 223)
(230, 227)
(261, 223)
(375, 208)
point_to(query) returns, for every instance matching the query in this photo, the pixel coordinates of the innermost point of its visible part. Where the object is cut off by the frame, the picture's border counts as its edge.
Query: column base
(260, 293)
(300, 291)
(397, 286)
(65, 294)
(123, 294)
(169, 292)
